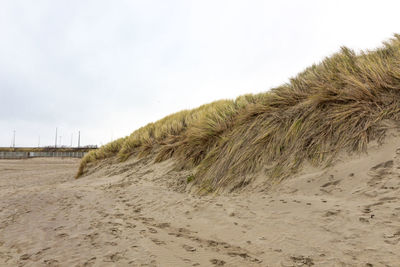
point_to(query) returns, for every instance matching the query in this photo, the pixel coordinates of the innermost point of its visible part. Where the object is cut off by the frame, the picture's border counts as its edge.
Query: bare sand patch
(127, 215)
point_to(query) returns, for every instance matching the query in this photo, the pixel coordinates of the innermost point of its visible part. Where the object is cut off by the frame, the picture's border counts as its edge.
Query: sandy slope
(126, 215)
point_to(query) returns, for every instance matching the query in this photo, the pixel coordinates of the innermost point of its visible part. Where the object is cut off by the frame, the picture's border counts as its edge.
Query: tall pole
(56, 139)
(79, 139)
(71, 139)
(14, 139)
(38, 142)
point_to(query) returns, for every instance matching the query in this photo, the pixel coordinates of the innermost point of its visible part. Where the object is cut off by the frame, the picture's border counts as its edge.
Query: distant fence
(14, 155)
(25, 155)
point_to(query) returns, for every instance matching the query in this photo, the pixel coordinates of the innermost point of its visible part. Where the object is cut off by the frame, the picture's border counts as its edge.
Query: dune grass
(340, 104)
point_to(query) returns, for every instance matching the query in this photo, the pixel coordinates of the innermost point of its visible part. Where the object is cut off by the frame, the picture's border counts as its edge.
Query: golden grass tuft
(338, 105)
(105, 151)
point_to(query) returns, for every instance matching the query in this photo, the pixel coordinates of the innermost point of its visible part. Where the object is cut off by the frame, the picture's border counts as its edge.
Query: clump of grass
(340, 104)
(189, 178)
(106, 151)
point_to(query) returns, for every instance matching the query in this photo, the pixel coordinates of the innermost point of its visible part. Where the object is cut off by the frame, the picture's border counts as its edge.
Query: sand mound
(341, 104)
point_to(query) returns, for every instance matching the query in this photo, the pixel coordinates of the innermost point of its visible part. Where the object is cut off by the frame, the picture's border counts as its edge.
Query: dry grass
(340, 104)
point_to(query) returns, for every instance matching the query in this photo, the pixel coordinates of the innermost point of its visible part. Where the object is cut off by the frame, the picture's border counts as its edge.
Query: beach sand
(138, 214)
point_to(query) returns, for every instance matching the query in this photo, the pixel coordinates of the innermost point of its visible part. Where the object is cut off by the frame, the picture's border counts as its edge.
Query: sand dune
(140, 214)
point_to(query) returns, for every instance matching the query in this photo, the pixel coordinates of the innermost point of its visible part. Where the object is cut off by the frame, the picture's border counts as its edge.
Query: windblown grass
(338, 105)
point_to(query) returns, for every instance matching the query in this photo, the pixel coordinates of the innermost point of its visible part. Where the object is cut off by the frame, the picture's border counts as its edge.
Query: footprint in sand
(90, 261)
(25, 257)
(142, 232)
(392, 239)
(298, 261)
(113, 257)
(379, 172)
(163, 225)
(62, 235)
(330, 186)
(41, 251)
(152, 230)
(217, 262)
(91, 236)
(157, 241)
(366, 210)
(331, 213)
(51, 262)
(59, 228)
(115, 232)
(130, 225)
(189, 248)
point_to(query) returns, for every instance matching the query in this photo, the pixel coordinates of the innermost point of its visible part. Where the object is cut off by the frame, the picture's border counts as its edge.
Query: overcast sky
(108, 67)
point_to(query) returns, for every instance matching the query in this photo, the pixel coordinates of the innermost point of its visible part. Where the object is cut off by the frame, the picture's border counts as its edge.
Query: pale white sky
(108, 67)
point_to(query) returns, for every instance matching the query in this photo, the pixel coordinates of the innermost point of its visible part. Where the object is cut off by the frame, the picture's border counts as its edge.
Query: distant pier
(29, 152)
